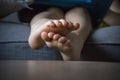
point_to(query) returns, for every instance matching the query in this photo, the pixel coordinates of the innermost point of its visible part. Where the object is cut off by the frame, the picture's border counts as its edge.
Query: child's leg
(9, 6)
(112, 18)
(37, 26)
(48, 22)
(115, 7)
(78, 37)
(113, 15)
(71, 45)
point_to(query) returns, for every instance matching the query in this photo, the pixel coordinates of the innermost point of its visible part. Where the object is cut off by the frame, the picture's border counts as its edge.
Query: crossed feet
(57, 34)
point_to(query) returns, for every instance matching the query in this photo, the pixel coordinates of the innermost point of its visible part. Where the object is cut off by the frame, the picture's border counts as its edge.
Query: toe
(67, 43)
(62, 47)
(50, 34)
(52, 24)
(70, 26)
(62, 40)
(56, 37)
(76, 26)
(58, 23)
(44, 36)
(64, 22)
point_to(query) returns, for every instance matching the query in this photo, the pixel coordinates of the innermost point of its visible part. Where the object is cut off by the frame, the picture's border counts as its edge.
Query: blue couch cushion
(14, 44)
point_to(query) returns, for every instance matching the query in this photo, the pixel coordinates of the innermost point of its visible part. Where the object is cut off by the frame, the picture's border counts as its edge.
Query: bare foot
(61, 27)
(68, 45)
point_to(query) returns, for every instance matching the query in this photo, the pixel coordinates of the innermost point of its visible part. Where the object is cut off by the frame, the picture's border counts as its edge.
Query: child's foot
(61, 27)
(68, 45)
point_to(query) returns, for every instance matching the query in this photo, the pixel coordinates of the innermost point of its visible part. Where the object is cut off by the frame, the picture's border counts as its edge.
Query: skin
(9, 6)
(66, 33)
(113, 15)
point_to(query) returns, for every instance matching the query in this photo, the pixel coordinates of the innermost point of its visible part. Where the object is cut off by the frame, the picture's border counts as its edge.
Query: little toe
(72, 26)
(76, 26)
(62, 47)
(67, 43)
